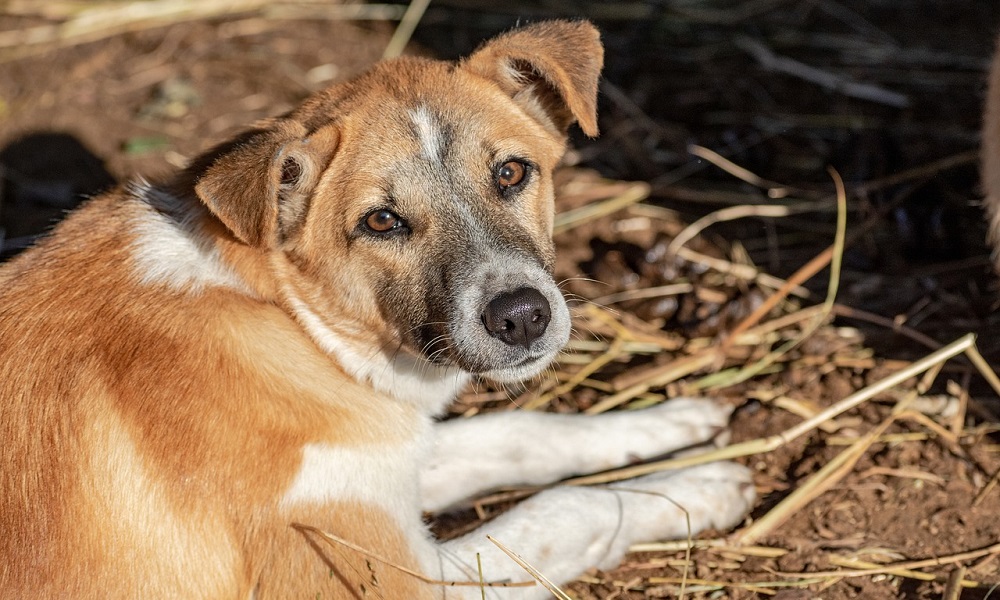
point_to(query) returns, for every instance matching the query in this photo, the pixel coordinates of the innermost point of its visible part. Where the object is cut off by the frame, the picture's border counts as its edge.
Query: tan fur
(151, 426)
(991, 156)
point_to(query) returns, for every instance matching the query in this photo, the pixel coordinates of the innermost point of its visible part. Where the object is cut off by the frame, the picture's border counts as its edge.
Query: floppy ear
(551, 69)
(259, 186)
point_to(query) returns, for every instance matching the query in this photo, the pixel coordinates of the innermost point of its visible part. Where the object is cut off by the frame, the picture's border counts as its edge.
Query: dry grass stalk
(902, 473)
(334, 12)
(660, 376)
(962, 393)
(953, 589)
(83, 22)
(763, 445)
(542, 579)
(732, 213)
(673, 289)
(716, 545)
(984, 368)
(854, 563)
(831, 81)
(404, 31)
(612, 353)
(755, 335)
(912, 565)
(636, 192)
(337, 541)
(832, 256)
(706, 585)
(100, 20)
(774, 190)
(744, 272)
(804, 410)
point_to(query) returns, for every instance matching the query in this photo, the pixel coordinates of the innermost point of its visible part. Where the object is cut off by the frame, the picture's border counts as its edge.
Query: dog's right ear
(551, 69)
(260, 185)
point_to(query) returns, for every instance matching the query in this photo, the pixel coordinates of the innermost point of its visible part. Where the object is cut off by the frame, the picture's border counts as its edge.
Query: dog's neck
(390, 371)
(217, 259)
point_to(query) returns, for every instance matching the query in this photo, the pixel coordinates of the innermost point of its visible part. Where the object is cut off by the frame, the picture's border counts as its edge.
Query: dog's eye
(383, 221)
(510, 174)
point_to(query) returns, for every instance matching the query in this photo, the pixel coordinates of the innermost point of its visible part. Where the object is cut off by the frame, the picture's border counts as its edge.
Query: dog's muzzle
(509, 320)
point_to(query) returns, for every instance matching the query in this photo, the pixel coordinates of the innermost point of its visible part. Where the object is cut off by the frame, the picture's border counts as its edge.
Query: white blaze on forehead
(428, 133)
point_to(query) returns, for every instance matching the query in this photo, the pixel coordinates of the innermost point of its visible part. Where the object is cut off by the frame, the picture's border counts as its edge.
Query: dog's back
(54, 323)
(107, 461)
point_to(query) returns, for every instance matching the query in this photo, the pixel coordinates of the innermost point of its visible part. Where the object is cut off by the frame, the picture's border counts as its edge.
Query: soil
(73, 120)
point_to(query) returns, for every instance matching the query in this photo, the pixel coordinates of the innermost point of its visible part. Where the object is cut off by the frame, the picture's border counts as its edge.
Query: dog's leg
(489, 451)
(563, 531)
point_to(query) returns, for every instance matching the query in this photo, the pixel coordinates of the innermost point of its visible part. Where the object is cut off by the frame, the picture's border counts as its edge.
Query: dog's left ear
(259, 186)
(551, 69)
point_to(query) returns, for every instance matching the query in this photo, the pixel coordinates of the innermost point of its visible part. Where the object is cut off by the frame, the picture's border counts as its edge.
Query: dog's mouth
(510, 337)
(502, 372)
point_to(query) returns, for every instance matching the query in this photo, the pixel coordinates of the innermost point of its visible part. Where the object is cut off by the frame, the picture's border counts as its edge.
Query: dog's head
(410, 209)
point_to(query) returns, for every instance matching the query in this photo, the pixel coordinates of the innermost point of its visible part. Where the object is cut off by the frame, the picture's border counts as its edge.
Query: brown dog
(190, 370)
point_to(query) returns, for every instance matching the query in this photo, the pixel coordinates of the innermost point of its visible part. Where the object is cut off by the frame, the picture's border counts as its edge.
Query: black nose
(519, 317)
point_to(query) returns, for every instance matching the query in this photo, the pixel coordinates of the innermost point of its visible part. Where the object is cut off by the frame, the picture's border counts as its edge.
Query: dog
(203, 380)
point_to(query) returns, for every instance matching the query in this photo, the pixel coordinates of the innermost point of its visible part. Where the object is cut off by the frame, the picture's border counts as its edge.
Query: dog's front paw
(689, 421)
(713, 496)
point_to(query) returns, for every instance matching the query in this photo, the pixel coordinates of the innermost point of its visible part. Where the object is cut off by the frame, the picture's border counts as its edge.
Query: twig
(927, 170)
(404, 31)
(953, 589)
(774, 190)
(741, 211)
(837, 83)
(907, 573)
(542, 579)
(861, 315)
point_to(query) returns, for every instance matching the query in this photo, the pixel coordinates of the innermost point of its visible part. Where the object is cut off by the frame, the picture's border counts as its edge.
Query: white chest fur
(383, 475)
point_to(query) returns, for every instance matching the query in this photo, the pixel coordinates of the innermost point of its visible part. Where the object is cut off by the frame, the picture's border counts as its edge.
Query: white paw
(714, 496)
(684, 422)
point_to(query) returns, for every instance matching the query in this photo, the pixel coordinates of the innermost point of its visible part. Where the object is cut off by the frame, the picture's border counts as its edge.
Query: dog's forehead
(433, 134)
(431, 109)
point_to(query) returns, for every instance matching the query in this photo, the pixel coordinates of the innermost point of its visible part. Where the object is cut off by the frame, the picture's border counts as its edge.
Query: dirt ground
(738, 79)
